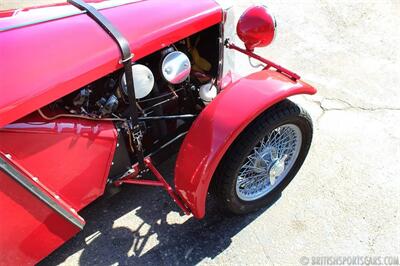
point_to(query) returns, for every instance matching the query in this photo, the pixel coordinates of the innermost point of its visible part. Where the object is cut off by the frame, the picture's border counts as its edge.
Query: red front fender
(219, 125)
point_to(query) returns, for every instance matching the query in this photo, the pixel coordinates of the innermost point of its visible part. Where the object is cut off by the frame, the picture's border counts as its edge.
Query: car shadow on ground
(103, 243)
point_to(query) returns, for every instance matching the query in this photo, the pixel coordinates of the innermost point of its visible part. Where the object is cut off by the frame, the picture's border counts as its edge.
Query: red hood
(45, 61)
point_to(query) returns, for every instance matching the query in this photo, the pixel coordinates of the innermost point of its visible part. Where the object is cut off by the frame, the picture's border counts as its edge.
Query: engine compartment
(172, 87)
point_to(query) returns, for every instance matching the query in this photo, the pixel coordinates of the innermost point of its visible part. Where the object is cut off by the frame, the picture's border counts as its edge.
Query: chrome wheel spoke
(269, 162)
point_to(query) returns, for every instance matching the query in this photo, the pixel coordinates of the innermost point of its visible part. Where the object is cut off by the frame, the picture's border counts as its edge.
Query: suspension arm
(133, 178)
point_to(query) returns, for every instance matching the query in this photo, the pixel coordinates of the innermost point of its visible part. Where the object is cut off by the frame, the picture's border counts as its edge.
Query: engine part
(176, 67)
(82, 97)
(208, 92)
(110, 106)
(143, 80)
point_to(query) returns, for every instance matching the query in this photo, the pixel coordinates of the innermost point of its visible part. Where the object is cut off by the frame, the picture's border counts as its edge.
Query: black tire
(225, 177)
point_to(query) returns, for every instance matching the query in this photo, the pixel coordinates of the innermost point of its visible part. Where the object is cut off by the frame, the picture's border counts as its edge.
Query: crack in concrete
(351, 106)
(348, 106)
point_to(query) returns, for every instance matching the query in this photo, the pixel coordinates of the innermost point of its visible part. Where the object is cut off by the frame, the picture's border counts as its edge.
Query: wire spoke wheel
(269, 162)
(264, 159)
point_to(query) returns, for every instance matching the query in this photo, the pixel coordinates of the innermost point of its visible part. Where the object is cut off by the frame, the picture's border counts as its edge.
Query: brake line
(50, 118)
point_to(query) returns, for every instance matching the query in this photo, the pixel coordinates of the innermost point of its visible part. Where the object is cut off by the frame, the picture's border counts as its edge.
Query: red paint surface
(256, 27)
(42, 187)
(219, 125)
(29, 229)
(46, 61)
(71, 158)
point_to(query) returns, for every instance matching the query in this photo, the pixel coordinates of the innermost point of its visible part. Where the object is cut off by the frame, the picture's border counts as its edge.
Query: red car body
(52, 170)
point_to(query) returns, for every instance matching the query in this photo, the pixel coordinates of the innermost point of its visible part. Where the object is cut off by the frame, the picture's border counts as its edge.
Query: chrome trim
(66, 15)
(227, 31)
(274, 20)
(24, 182)
(225, 4)
(13, 27)
(221, 56)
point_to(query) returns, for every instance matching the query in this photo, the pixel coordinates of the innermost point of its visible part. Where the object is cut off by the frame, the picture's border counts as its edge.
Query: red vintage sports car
(95, 95)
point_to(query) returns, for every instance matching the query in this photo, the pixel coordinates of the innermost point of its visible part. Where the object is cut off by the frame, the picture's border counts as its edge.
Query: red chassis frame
(218, 125)
(210, 136)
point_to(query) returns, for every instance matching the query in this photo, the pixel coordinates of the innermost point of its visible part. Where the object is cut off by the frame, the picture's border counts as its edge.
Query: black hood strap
(126, 60)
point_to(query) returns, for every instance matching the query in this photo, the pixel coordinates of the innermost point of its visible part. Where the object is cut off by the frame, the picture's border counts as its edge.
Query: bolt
(168, 70)
(131, 171)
